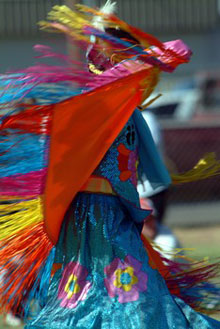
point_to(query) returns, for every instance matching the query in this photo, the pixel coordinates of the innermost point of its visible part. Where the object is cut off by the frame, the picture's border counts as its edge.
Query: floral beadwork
(73, 286)
(127, 164)
(123, 158)
(125, 279)
(132, 166)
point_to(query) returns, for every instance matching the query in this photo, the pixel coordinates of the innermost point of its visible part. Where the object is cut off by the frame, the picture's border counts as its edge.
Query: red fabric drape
(83, 129)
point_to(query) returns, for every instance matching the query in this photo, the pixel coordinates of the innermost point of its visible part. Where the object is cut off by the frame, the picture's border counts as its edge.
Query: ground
(203, 241)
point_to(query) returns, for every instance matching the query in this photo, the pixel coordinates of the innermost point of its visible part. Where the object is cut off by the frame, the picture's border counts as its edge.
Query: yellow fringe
(206, 167)
(175, 253)
(18, 215)
(151, 101)
(68, 21)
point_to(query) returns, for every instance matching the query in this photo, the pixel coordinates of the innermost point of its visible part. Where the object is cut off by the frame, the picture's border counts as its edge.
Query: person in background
(156, 199)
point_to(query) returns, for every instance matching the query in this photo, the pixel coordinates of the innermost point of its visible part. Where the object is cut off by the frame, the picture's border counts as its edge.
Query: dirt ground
(204, 241)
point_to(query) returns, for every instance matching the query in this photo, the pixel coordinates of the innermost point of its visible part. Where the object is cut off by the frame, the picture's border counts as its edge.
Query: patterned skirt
(102, 277)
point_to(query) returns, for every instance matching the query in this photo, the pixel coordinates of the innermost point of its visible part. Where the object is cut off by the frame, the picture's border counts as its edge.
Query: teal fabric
(98, 237)
(151, 166)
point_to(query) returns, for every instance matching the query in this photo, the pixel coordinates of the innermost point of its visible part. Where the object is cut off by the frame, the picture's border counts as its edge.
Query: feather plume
(107, 9)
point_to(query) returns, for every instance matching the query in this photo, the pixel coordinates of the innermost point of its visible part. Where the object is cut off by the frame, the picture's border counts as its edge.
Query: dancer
(71, 169)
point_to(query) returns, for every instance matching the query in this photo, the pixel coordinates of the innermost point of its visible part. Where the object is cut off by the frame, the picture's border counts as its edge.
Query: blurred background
(188, 111)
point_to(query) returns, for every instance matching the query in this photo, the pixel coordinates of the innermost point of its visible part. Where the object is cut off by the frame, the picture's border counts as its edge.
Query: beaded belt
(97, 184)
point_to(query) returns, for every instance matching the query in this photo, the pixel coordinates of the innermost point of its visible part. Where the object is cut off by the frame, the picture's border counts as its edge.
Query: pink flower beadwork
(125, 279)
(132, 166)
(73, 286)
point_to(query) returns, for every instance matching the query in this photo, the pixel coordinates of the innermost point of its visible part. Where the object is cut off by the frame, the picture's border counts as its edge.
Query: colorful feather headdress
(46, 149)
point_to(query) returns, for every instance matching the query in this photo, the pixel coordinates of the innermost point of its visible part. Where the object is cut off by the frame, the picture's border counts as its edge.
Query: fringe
(25, 186)
(195, 283)
(191, 281)
(206, 167)
(22, 258)
(31, 120)
(17, 215)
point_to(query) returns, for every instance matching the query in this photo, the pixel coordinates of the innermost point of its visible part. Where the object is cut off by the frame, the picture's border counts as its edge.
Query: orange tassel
(21, 258)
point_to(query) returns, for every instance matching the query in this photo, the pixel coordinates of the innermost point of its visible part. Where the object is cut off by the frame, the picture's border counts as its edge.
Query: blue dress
(101, 276)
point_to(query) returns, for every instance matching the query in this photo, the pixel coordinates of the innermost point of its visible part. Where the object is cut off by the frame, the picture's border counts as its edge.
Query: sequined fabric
(101, 277)
(98, 264)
